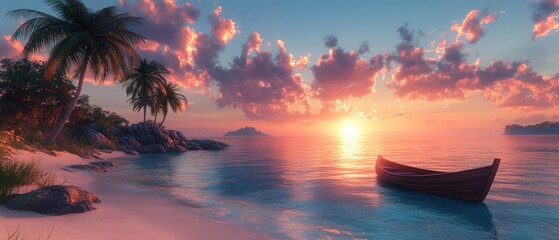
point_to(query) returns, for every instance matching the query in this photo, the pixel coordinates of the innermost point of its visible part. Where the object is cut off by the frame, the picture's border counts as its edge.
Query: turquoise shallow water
(326, 187)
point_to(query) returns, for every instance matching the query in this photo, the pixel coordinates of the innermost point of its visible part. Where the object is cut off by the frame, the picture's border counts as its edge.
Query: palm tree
(141, 84)
(170, 97)
(157, 102)
(80, 39)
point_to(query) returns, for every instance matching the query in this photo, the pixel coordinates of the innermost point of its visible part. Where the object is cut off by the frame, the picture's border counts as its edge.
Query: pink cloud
(472, 26)
(263, 86)
(431, 79)
(525, 90)
(340, 74)
(149, 45)
(222, 29)
(514, 86)
(254, 42)
(13, 49)
(545, 17)
(163, 20)
(189, 54)
(9, 48)
(302, 62)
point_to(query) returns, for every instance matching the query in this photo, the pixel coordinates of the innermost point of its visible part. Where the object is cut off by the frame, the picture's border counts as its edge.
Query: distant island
(545, 128)
(246, 132)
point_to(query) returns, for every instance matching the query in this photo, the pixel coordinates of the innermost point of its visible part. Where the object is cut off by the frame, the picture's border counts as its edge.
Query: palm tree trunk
(155, 118)
(69, 110)
(145, 125)
(164, 116)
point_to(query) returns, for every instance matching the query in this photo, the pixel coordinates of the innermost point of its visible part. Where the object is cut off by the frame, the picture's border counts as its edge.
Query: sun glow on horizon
(349, 130)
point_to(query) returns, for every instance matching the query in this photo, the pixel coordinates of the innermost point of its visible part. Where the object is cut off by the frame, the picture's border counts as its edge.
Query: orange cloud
(254, 42)
(149, 45)
(544, 27)
(9, 48)
(512, 86)
(222, 29)
(13, 49)
(340, 74)
(302, 62)
(545, 14)
(472, 26)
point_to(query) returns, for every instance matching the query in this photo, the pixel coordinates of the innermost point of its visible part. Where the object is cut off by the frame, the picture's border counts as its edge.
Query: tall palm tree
(79, 38)
(157, 102)
(169, 97)
(141, 84)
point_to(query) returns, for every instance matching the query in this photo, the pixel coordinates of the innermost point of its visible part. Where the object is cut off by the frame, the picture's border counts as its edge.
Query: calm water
(326, 187)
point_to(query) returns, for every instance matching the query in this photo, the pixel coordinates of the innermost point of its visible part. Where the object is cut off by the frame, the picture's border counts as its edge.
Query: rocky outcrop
(142, 138)
(53, 200)
(155, 148)
(99, 167)
(246, 132)
(149, 138)
(145, 138)
(545, 128)
(96, 139)
(205, 144)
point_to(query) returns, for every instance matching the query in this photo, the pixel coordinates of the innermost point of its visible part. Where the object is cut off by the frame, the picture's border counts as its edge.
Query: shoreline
(120, 215)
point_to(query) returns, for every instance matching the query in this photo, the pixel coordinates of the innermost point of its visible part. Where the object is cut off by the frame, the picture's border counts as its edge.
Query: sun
(349, 130)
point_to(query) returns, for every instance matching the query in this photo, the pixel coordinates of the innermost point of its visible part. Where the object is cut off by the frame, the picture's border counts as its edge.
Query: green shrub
(15, 174)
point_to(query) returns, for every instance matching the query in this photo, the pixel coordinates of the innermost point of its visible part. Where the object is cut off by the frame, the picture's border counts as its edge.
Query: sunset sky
(315, 67)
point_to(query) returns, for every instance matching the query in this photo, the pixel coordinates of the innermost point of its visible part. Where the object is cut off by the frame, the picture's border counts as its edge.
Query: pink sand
(119, 216)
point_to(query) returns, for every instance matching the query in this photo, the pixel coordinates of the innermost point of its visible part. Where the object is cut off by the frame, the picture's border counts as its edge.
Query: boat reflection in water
(467, 215)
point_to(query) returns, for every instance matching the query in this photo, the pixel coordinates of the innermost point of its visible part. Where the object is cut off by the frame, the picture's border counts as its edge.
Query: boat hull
(470, 185)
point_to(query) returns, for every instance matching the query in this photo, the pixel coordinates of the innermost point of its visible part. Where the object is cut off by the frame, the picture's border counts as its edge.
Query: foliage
(141, 84)
(169, 97)
(79, 38)
(15, 173)
(28, 104)
(146, 86)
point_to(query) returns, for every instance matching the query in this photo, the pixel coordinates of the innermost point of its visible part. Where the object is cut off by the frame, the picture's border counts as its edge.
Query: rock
(92, 168)
(178, 149)
(103, 163)
(151, 149)
(83, 153)
(148, 137)
(205, 144)
(97, 139)
(128, 141)
(131, 152)
(53, 200)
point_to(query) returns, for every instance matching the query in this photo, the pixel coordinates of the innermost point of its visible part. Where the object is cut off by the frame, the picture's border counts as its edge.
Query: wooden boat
(470, 185)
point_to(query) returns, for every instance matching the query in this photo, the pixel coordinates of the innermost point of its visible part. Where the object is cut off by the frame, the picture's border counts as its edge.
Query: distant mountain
(545, 128)
(246, 132)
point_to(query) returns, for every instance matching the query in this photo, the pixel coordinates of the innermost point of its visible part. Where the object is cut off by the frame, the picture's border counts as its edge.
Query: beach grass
(18, 235)
(15, 174)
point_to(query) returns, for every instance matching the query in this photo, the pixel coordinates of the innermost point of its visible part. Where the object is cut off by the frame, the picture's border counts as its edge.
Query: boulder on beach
(53, 200)
(91, 168)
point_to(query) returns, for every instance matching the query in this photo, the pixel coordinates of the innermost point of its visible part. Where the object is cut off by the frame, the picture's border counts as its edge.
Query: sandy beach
(120, 215)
